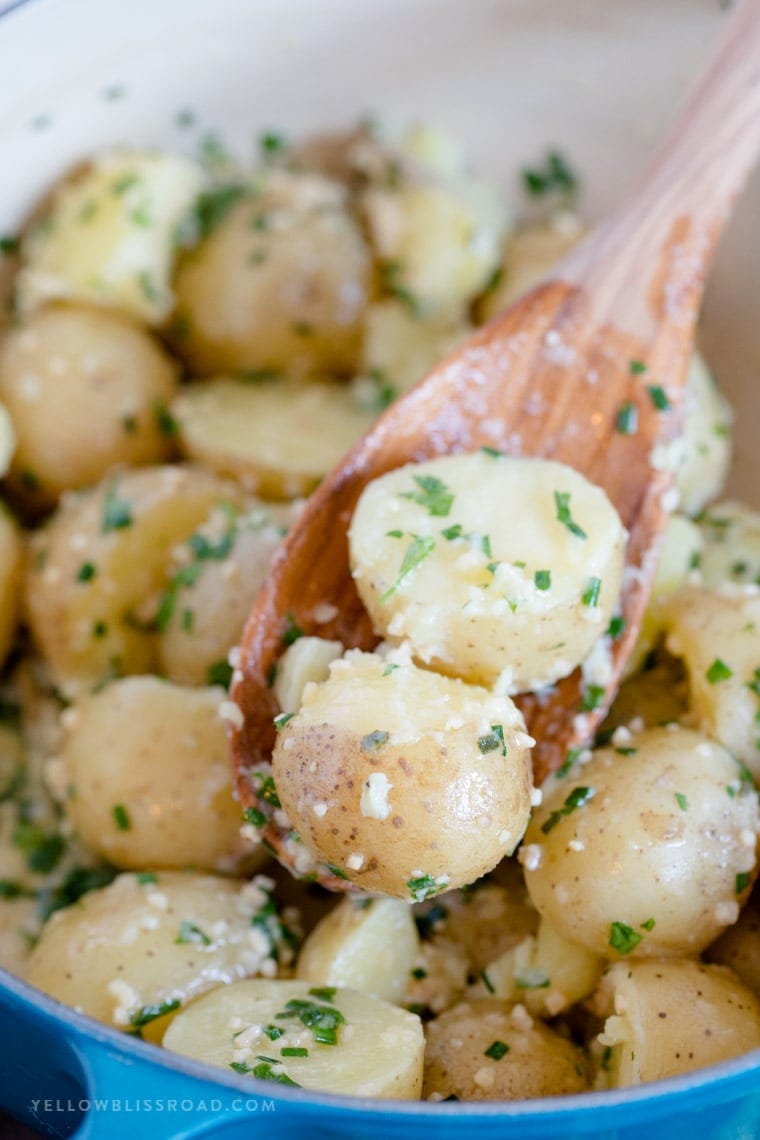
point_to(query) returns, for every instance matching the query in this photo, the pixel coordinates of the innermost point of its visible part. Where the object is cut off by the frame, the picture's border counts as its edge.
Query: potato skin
(655, 843)
(395, 776)
(537, 1062)
(148, 777)
(86, 389)
(280, 283)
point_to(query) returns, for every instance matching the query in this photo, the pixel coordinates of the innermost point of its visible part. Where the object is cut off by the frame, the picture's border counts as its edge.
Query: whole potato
(148, 779)
(86, 389)
(134, 951)
(485, 1050)
(739, 946)
(407, 781)
(489, 566)
(280, 283)
(647, 849)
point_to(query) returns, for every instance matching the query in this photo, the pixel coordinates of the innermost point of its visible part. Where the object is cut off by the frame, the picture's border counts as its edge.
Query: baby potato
(108, 235)
(480, 591)
(148, 778)
(545, 972)
(101, 559)
(715, 633)
(407, 781)
(212, 581)
(437, 244)
(344, 1041)
(279, 283)
(307, 659)
(673, 1016)
(278, 438)
(399, 348)
(645, 850)
(529, 254)
(706, 440)
(363, 944)
(489, 918)
(11, 580)
(656, 696)
(739, 946)
(86, 389)
(483, 1050)
(731, 551)
(138, 949)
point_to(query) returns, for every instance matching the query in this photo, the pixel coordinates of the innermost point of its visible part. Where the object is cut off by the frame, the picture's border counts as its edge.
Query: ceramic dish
(509, 77)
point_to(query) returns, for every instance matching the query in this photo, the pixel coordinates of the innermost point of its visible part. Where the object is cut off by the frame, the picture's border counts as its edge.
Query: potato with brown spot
(483, 1050)
(407, 781)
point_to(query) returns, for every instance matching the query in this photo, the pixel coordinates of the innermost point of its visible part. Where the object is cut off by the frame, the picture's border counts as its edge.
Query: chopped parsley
(189, 932)
(424, 887)
(496, 1050)
(147, 1013)
(323, 1020)
(121, 817)
(543, 579)
(682, 801)
(492, 452)
(294, 1051)
(659, 397)
(292, 631)
(418, 550)
(86, 572)
(718, 671)
(623, 938)
(532, 979)
(282, 719)
(493, 740)
(255, 817)
(165, 421)
(554, 176)
(577, 798)
(390, 668)
(616, 627)
(433, 495)
(590, 596)
(146, 878)
(264, 1072)
(637, 367)
(487, 982)
(324, 993)
(272, 143)
(648, 925)
(117, 513)
(562, 503)
(627, 419)
(219, 673)
(743, 880)
(593, 696)
(374, 740)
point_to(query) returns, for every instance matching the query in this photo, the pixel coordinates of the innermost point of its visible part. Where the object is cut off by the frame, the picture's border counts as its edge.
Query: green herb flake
(419, 973)
(682, 801)
(165, 421)
(567, 764)
(282, 719)
(294, 1051)
(532, 979)
(8, 245)
(593, 697)
(553, 177)
(562, 503)
(292, 631)
(86, 572)
(117, 513)
(324, 1021)
(543, 579)
(623, 938)
(394, 534)
(374, 740)
(324, 993)
(576, 799)
(390, 668)
(648, 925)
(189, 932)
(743, 880)
(263, 1071)
(43, 850)
(627, 419)
(659, 397)
(424, 887)
(255, 817)
(418, 550)
(496, 1050)
(433, 495)
(219, 673)
(637, 367)
(121, 817)
(718, 672)
(493, 741)
(487, 982)
(147, 1013)
(146, 878)
(616, 627)
(492, 452)
(590, 596)
(272, 143)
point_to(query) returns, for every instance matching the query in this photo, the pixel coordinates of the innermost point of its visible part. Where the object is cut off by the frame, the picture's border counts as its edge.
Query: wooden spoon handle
(681, 203)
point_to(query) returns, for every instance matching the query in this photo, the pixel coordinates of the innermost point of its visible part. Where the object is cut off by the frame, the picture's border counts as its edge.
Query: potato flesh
(307, 660)
(124, 529)
(706, 443)
(143, 942)
(379, 1048)
(673, 1017)
(529, 255)
(368, 945)
(502, 596)
(731, 551)
(277, 437)
(108, 235)
(86, 390)
(715, 634)
(399, 776)
(646, 862)
(148, 778)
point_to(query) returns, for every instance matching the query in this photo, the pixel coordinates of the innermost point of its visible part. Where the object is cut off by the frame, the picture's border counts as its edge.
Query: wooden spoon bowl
(588, 369)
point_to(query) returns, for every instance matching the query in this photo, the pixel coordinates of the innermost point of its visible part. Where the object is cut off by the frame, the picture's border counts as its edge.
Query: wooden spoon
(575, 371)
